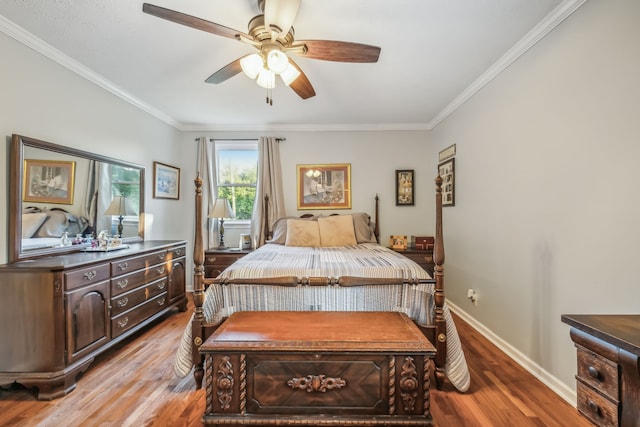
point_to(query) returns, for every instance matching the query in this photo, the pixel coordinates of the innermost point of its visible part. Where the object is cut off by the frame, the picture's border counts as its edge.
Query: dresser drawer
(136, 263)
(598, 372)
(130, 281)
(135, 316)
(86, 276)
(597, 408)
(126, 301)
(291, 383)
(178, 252)
(215, 263)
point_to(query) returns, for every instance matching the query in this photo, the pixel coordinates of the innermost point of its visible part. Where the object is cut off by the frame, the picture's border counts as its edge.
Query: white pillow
(337, 230)
(31, 222)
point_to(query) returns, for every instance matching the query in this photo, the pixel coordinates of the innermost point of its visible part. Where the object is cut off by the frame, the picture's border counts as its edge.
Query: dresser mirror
(60, 198)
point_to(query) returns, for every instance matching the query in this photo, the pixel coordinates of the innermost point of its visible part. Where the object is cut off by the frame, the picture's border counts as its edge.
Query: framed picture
(166, 181)
(446, 170)
(49, 181)
(324, 186)
(398, 242)
(404, 188)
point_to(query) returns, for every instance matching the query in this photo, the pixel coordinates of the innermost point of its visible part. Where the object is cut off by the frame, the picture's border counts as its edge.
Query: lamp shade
(222, 209)
(120, 206)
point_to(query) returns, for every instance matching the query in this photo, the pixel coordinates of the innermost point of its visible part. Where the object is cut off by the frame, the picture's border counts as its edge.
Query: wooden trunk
(318, 368)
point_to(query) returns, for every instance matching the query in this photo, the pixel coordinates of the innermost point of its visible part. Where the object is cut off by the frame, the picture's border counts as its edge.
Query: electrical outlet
(473, 296)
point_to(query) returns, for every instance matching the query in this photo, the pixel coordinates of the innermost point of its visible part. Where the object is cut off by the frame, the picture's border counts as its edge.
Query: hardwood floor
(134, 385)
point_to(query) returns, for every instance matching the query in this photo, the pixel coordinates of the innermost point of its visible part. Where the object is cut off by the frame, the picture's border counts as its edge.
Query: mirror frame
(16, 174)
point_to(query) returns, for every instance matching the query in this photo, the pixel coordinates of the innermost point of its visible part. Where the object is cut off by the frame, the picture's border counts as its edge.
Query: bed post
(439, 322)
(198, 287)
(267, 233)
(376, 225)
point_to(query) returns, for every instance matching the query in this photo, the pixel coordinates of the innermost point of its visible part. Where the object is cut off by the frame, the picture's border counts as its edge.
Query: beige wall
(547, 206)
(43, 100)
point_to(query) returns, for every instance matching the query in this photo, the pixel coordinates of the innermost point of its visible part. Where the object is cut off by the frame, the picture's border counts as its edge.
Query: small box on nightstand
(423, 242)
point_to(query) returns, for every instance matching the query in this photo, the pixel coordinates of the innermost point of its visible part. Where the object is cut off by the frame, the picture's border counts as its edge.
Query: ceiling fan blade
(225, 72)
(329, 50)
(192, 21)
(281, 13)
(302, 85)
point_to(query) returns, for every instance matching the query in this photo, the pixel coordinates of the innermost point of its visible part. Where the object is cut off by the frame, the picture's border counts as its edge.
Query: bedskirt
(415, 300)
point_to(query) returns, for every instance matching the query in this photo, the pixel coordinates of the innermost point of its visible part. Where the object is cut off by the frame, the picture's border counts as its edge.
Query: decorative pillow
(363, 228)
(302, 232)
(31, 222)
(56, 224)
(337, 231)
(279, 229)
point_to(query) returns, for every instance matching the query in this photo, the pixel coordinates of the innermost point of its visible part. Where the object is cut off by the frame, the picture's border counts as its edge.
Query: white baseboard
(557, 386)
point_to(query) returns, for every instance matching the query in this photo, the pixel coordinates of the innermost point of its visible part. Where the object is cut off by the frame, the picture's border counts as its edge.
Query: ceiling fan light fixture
(277, 61)
(266, 79)
(252, 65)
(290, 74)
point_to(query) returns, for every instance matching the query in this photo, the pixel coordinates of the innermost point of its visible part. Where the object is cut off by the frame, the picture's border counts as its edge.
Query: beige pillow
(31, 222)
(302, 232)
(363, 228)
(56, 224)
(279, 229)
(336, 231)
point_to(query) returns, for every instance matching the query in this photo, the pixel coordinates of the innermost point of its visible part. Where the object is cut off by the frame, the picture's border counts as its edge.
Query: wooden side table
(608, 373)
(216, 260)
(424, 257)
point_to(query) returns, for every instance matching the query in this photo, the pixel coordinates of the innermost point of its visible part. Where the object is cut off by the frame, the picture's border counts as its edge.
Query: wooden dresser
(608, 375)
(57, 313)
(318, 368)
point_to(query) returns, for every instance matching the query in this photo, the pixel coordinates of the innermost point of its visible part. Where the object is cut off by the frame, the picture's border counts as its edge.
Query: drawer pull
(123, 266)
(123, 322)
(122, 302)
(211, 260)
(161, 301)
(319, 383)
(121, 284)
(161, 256)
(593, 372)
(162, 285)
(160, 270)
(593, 407)
(90, 275)
(178, 252)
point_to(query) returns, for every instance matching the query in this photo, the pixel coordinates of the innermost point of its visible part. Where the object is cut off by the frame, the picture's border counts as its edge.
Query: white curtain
(103, 197)
(206, 167)
(269, 183)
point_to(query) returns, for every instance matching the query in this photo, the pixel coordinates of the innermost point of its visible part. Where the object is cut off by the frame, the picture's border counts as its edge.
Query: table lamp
(121, 207)
(221, 210)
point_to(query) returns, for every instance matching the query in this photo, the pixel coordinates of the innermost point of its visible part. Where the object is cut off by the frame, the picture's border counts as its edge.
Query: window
(237, 169)
(126, 182)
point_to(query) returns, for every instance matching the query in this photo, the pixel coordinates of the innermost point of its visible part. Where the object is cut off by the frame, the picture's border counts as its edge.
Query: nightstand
(424, 257)
(216, 260)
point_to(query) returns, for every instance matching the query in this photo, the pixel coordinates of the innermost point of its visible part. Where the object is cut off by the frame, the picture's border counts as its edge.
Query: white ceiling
(435, 54)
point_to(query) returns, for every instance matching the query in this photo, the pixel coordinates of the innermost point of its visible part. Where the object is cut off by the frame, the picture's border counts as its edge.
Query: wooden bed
(439, 329)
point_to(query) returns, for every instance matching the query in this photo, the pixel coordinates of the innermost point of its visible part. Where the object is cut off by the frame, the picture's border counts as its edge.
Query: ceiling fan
(272, 34)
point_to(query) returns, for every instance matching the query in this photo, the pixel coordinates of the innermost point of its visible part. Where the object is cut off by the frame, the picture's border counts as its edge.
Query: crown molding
(559, 14)
(537, 33)
(18, 33)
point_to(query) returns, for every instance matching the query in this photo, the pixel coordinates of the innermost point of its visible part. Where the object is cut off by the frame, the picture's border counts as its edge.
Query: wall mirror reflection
(61, 199)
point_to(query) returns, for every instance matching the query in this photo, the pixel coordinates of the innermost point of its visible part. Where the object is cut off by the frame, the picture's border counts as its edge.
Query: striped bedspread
(363, 260)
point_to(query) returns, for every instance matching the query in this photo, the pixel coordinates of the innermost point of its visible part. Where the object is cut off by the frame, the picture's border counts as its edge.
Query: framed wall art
(49, 181)
(446, 170)
(405, 188)
(166, 181)
(324, 186)
(398, 242)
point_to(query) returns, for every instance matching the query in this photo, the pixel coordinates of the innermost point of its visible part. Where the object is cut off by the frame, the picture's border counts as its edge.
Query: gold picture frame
(49, 181)
(398, 242)
(325, 186)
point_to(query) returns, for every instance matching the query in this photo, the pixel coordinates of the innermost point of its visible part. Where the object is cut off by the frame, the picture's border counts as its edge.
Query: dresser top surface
(319, 331)
(80, 258)
(620, 330)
